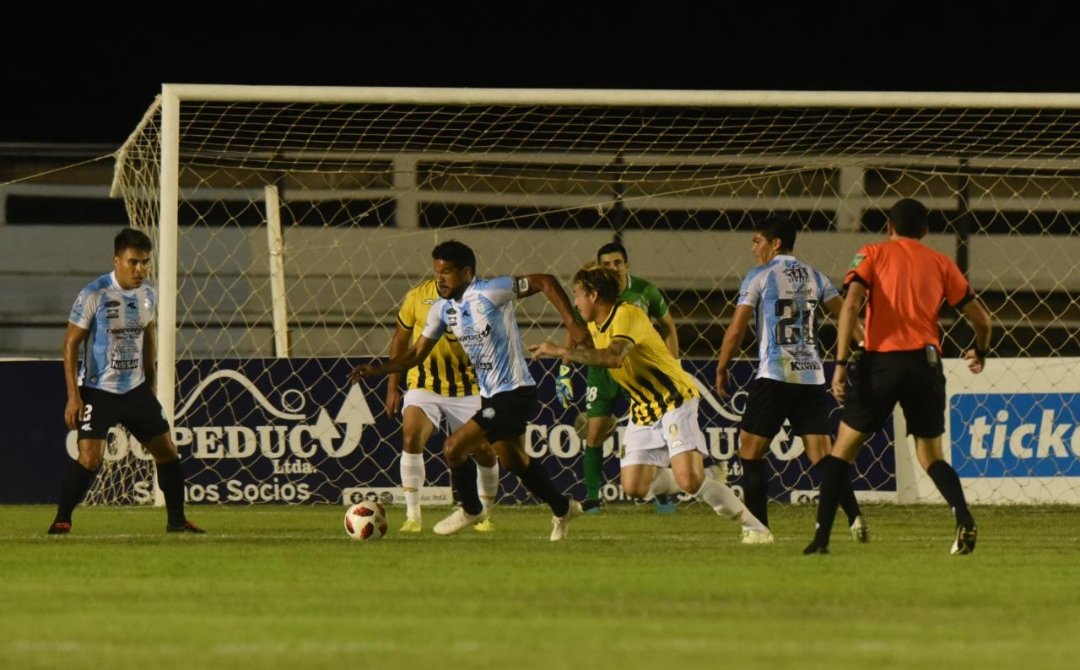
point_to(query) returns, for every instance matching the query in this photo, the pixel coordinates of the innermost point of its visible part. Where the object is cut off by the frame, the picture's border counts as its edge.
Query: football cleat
(815, 548)
(410, 526)
(665, 504)
(485, 526)
(59, 528)
(860, 530)
(560, 525)
(458, 520)
(757, 536)
(186, 527)
(965, 540)
(592, 506)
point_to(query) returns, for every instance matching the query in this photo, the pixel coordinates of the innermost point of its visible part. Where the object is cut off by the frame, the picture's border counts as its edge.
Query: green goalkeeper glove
(564, 388)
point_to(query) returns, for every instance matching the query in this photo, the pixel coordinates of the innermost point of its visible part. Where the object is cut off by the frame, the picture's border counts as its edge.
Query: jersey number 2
(796, 324)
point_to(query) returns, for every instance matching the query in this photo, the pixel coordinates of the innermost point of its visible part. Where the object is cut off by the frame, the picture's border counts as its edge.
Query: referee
(903, 283)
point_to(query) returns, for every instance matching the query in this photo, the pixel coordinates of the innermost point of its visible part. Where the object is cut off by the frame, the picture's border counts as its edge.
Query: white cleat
(757, 536)
(560, 525)
(860, 530)
(457, 521)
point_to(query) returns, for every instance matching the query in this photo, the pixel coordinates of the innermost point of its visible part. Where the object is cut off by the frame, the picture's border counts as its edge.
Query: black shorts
(504, 416)
(771, 401)
(138, 410)
(881, 380)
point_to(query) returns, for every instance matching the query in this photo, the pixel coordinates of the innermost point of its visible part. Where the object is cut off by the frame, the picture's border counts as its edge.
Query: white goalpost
(290, 221)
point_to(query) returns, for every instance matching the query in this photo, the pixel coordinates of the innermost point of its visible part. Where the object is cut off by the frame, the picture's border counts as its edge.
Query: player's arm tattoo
(609, 357)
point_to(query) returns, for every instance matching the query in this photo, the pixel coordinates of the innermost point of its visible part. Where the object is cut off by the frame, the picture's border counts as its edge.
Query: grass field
(283, 587)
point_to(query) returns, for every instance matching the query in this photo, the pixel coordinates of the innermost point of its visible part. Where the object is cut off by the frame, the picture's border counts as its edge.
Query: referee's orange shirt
(906, 283)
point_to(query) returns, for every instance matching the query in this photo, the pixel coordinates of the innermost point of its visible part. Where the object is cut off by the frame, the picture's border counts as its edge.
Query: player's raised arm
(610, 356)
(526, 285)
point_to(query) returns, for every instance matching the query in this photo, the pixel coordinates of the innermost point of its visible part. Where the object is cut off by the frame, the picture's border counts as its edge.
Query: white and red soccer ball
(365, 521)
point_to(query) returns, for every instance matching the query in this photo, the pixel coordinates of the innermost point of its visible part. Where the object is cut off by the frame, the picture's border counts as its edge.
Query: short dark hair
(612, 248)
(603, 281)
(129, 238)
(455, 252)
(778, 227)
(909, 218)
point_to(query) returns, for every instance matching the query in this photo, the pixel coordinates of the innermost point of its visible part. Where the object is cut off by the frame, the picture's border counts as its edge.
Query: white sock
(724, 502)
(664, 484)
(487, 484)
(412, 480)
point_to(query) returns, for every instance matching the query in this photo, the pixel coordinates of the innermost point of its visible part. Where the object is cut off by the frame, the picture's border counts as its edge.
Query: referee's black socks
(833, 472)
(948, 483)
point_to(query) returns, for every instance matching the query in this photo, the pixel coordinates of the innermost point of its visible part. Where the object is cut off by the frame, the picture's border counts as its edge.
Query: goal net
(291, 221)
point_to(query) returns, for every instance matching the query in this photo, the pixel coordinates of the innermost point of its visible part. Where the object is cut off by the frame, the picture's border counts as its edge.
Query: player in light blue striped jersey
(112, 322)
(480, 314)
(783, 295)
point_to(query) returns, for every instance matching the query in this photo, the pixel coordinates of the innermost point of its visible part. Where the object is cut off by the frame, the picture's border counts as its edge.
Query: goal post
(290, 221)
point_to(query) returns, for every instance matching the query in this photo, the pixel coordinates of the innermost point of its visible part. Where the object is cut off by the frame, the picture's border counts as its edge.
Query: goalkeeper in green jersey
(602, 390)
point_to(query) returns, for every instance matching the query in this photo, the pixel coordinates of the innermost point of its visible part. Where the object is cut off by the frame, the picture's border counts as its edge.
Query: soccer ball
(365, 521)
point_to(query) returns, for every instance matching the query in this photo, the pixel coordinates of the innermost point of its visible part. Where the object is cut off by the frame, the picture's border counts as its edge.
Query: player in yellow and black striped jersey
(446, 370)
(649, 373)
(663, 428)
(441, 389)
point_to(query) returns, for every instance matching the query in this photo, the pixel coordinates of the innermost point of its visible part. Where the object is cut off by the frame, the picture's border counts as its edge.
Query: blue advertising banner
(294, 431)
(1015, 434)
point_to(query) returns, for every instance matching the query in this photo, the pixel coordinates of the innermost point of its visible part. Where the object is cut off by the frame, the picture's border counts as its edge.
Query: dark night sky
(86, 74)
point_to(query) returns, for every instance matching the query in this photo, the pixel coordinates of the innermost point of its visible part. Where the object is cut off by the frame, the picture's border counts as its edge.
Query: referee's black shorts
(882, 379)
(771, 401)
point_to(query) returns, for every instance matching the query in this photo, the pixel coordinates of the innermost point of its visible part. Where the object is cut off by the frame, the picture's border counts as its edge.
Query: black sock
(536, 479)
(73, 487)
(756, 488)
(833, 473)
(948, 483)
(171, 482)
(463, 483)
(847, 496)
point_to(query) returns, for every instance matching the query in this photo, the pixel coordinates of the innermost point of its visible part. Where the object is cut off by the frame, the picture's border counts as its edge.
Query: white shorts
(456, 411)
(676, 432)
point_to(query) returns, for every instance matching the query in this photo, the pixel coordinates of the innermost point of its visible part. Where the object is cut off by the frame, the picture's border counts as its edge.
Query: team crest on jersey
(855, 261)
(673, 430)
